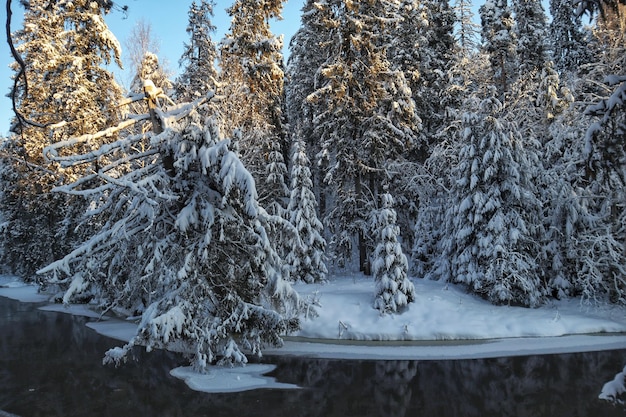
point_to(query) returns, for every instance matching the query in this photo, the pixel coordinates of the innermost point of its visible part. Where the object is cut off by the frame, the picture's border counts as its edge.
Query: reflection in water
(50, 365)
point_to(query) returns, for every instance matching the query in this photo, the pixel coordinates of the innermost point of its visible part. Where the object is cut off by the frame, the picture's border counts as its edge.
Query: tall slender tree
(568, 38)
(307, 256)
(499, 41)
(532, 35)
(367, 115)
(199, 75)
(307, 54)
(253, 82)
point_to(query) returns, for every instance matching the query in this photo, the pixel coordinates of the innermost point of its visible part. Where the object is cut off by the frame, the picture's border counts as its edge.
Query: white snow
(443, 323)
(613, 389)
(446, 312)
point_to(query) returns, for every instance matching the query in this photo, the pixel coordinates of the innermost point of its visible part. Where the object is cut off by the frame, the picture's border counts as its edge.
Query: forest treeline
(400, 137)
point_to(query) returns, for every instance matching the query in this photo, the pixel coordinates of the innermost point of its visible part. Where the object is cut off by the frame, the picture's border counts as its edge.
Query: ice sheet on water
(225, 379)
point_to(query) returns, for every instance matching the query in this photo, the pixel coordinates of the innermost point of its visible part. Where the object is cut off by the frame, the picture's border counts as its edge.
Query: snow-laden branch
(50, 153)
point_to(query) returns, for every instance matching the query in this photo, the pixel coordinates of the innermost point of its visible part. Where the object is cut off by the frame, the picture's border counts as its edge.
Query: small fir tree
(394, 290)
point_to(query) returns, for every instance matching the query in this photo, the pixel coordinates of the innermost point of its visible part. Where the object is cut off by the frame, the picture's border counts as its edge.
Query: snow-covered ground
(443, 323)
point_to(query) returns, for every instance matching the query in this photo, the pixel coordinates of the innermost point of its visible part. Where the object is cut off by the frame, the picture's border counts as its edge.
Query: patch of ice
(115, 329)
(224, 379)
(83, 310)
(23, 292)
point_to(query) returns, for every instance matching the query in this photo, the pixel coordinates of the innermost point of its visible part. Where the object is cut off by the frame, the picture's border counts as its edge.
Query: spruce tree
(307, 54)
(307, 256)
(188, 251)
(366, 118)
(252, 83)
(568, 38)
(499, 41)
(532, 34)
(493, 233)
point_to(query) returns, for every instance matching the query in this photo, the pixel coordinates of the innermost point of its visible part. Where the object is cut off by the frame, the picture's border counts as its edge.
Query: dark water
(50, 365)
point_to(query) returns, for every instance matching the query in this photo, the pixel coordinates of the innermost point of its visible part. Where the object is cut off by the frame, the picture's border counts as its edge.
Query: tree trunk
(363, 263)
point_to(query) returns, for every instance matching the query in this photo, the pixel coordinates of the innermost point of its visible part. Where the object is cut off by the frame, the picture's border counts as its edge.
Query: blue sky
(168, 20)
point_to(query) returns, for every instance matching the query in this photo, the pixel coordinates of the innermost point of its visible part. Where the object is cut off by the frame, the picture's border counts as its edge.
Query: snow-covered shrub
(614, 390)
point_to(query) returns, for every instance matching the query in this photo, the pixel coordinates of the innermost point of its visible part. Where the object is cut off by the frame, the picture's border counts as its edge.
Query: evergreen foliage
(366, 115)
(531, 33)
(499, 41)
(494, 220)
(252, 82)
(568, 38)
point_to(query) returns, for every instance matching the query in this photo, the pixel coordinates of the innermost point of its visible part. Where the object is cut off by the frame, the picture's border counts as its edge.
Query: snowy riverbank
(443, 323)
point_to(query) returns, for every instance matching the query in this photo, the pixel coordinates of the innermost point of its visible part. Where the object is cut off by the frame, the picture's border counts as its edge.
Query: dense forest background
(400, 138)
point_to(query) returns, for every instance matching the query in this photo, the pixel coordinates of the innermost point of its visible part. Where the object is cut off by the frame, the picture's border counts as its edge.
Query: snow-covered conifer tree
(394, 290)
(306, 57)
(199, 75)
(66, 91)
(307, 254)
(366, 114)
(151, 69)
(493, 236)
(252, 73)
(188, 249)
(499, 41)
(532, 35)
(568, 38)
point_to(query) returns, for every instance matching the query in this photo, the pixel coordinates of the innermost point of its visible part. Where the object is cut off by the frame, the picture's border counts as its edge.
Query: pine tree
(367, 115)
(64, 46)
(307, 254)
(394, 290)
(199, 75)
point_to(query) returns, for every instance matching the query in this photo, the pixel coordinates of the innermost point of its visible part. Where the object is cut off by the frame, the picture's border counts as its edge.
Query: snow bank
(612, 390)
(445, 312)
